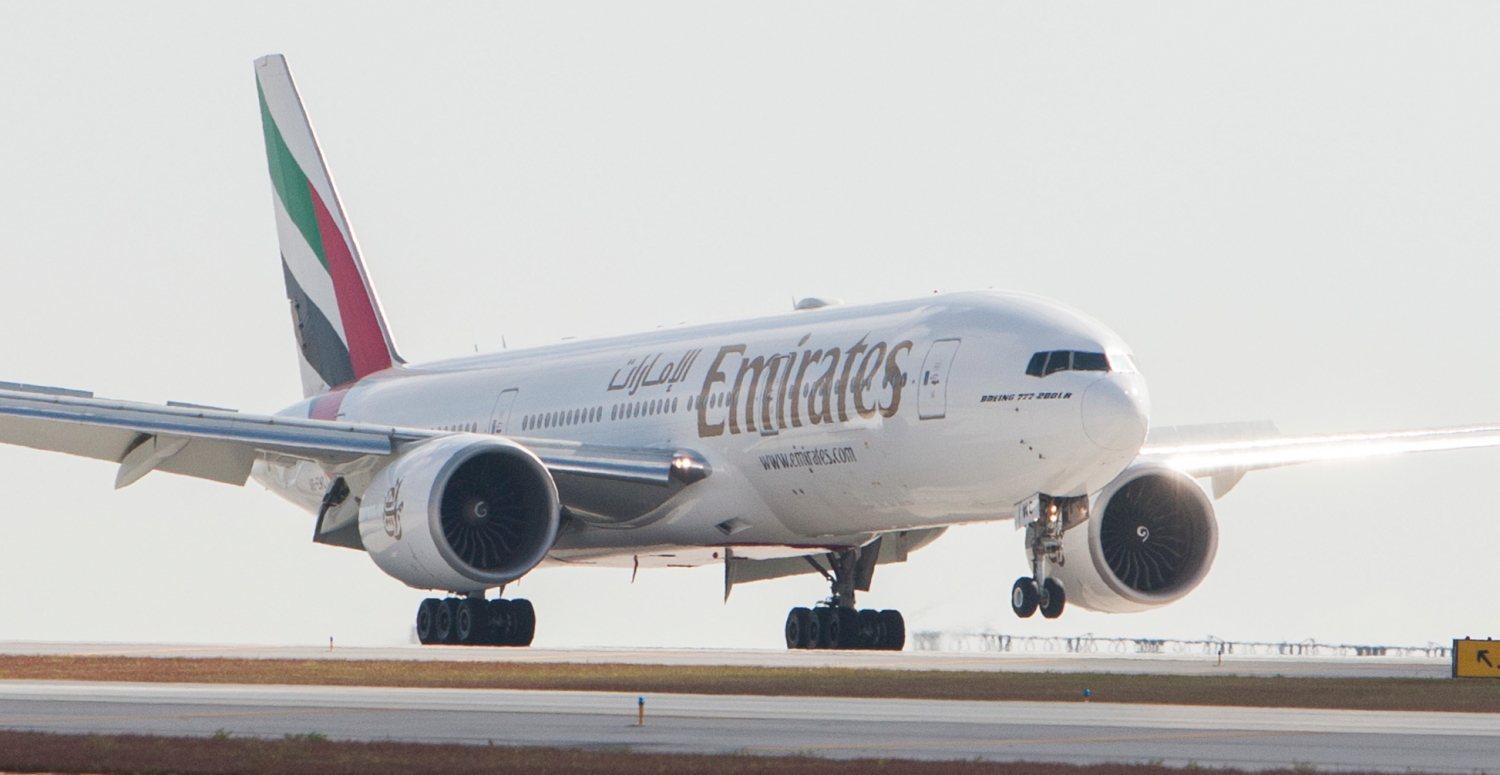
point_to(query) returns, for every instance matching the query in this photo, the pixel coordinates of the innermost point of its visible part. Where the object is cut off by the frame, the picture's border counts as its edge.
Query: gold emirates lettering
(765, 394)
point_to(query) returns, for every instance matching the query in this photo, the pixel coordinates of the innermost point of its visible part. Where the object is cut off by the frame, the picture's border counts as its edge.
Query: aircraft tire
(426, 612)
(1024, 597)
(523, 618)
(895, 631)
(442, 621)
(502, 621)
(843, 628)
(798, 628)
(871, 630)
(1052, 599)
(824, 617)
(470, 623)
(813, 639)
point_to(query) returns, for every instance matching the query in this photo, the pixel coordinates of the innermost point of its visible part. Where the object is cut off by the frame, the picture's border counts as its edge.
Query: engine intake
(1154, 535)
(461, 513)
(1151, 540)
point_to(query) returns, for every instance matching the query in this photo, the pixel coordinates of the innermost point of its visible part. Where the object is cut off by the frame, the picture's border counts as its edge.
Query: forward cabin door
(932, 398)
(500, 418)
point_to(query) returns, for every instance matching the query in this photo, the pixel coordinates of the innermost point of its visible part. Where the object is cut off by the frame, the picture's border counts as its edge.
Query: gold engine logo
(393, 507)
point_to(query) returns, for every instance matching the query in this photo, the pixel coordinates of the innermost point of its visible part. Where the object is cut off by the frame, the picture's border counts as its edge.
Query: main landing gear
(474, 621)
(836, 624)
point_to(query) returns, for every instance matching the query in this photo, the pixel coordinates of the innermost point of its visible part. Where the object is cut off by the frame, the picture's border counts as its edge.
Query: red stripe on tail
(368, 351)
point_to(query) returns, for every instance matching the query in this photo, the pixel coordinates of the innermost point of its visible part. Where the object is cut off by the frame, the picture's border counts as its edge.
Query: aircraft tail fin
(341, 332)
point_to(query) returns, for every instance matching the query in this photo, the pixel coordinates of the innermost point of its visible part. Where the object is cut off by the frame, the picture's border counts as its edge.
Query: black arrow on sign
(1484, 656)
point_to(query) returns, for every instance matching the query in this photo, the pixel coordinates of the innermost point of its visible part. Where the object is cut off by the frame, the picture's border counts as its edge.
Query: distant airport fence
(1211, 647)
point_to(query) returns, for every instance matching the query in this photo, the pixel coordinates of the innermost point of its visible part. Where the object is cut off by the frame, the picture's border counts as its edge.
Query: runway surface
(1070, 732)
(1159, 664)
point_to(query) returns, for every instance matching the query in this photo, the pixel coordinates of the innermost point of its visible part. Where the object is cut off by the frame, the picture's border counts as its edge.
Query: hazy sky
(1289, 210)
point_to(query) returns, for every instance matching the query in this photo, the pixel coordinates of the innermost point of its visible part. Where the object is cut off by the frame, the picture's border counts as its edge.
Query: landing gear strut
(836, 623)
(474, 621)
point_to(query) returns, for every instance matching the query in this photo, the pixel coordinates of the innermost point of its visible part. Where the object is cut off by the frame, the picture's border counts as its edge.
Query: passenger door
(500, 417)
(932, 398)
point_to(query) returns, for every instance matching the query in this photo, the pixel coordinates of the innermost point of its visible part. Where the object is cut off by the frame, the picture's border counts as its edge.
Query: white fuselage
(821, 426)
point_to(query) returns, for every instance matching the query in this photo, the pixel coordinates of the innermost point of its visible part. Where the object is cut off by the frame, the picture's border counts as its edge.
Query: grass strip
(314, 755)
(1423, 694)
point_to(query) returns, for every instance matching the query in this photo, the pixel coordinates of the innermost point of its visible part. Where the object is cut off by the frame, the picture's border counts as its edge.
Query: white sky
(1289, 210)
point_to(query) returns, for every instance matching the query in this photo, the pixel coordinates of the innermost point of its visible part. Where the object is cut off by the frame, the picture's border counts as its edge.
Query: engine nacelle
(461, 513)
(1150, 540)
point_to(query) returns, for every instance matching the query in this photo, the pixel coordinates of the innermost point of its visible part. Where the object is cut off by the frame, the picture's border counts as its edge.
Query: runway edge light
(1474, 658)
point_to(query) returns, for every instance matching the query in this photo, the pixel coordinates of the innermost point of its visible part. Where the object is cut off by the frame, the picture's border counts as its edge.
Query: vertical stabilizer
(341, 333)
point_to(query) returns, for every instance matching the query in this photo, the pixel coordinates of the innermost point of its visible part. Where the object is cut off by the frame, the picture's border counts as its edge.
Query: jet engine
(461, 513)
(1149, 540)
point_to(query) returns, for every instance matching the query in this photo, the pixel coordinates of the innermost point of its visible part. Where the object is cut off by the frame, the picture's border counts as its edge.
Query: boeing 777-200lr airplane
(828, 440)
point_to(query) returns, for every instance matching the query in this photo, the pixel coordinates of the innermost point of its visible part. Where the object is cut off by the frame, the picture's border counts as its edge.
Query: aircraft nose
(1115, 412)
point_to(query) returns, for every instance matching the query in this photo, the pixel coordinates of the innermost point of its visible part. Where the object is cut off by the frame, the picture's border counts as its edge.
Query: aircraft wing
(223, 444)
(1226, 452)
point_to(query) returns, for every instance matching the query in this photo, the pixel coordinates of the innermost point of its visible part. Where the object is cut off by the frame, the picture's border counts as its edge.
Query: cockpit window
(1090, 362)
(1044, 363)
(1122, 363)
(1038, 362)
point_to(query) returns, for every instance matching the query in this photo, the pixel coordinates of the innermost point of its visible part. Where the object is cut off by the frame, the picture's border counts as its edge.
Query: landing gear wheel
(895, 631)
(502, 621)
(442, 621)
(824, 618)
(470, 624)
(1023, 597)
(871, 630)
(798, 627)
(523, 619)
(1052, 599)
(843, 628)
(426, 612)
(817, 624)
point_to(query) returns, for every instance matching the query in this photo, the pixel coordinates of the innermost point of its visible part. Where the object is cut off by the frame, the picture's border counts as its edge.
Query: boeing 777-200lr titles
(829, 440)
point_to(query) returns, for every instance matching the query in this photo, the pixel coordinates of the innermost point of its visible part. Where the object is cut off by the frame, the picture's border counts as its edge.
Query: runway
(927, 729)
(1155, 664)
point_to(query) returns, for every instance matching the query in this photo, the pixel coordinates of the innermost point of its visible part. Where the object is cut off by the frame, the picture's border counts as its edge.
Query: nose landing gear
(837, 624)
(1045, 518)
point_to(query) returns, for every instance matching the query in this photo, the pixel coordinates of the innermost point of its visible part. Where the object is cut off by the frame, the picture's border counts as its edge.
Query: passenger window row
(1044, 363)
(625, 411)
(647, 408)
(631, 410)
(562, 418)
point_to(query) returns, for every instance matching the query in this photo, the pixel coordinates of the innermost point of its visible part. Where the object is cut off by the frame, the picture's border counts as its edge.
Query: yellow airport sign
(1476, 658)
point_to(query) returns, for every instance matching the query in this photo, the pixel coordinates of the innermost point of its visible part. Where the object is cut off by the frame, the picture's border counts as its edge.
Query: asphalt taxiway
(1076, 732)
